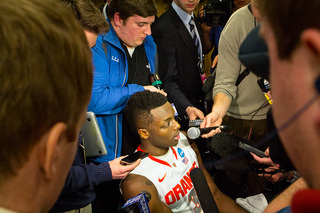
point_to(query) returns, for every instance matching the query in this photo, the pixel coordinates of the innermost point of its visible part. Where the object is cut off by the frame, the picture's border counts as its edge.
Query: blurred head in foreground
(46, 73)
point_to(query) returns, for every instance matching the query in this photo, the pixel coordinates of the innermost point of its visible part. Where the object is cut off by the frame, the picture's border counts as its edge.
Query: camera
(264, 85)
(216, 12)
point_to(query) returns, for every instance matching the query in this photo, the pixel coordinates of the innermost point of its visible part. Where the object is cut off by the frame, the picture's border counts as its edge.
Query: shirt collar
(184, 16)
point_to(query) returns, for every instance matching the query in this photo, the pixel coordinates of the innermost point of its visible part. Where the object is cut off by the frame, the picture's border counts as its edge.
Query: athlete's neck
(154, 151)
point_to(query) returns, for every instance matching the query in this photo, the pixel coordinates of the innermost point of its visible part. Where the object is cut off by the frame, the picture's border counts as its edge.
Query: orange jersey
(170, 174)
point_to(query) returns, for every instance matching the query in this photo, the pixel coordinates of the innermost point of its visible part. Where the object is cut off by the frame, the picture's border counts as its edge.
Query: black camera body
(264, 85)
(217, 12)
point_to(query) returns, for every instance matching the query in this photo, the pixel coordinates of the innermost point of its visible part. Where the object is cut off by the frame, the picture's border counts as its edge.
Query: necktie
(194, 36)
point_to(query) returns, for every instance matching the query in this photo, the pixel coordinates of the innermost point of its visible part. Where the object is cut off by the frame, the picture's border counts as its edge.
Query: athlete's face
(187, 5)
(164, 130)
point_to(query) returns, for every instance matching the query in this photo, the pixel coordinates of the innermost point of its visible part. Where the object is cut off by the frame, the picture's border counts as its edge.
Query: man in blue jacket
(123, 60)
(129, 31)
(84, 177)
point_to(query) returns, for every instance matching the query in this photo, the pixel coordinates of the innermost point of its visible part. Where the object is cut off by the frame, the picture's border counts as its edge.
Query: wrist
(292, 176)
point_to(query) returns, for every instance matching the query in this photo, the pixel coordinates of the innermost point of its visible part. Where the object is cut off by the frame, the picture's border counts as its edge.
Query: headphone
(317, 84)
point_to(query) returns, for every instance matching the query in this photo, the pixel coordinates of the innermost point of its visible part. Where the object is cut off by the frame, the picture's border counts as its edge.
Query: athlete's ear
(143, 133)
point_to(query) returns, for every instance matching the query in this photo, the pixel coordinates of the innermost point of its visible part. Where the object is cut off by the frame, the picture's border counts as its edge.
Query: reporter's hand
(215, 61)
(201, 11)
(154, 89)
(120, 171)
(274, 178)
(212, 119)
(265, 160)
(205, 28)
(194, 113)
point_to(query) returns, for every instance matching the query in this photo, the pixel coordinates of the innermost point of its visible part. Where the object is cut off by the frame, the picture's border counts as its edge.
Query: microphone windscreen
(206, 199)
(253, 53)
(224, 144)
(193, 133)
(306, 200)
(208, 84)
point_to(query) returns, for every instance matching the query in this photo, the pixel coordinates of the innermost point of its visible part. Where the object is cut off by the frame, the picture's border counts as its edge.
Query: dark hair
(128, 8)
(46, 76)
(139, 106)
(289, 19)
(88, 15)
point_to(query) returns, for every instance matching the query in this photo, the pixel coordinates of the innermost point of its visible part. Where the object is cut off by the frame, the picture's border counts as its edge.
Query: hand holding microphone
(196, 132)
(226, 144)
(212, 119)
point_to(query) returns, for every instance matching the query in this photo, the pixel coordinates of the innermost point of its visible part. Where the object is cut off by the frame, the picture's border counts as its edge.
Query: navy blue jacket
(79, 189)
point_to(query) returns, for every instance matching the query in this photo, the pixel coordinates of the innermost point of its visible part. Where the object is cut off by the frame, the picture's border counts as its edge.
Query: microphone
(207, 88)
(195, 132)
(225, 144)
(306, 200)
(155, 81)
(208, 84)
(138, 204)
(200, 184)
(252, 149)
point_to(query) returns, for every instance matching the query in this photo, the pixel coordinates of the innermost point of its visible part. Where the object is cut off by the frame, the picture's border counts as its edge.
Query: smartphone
(133, 157)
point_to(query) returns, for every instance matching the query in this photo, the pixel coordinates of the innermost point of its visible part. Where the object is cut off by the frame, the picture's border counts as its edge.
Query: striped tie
(194, 36)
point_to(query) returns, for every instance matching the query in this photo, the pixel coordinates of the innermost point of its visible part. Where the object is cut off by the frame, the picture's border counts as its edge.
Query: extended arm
(219, 109)
(227, 72)
(90, 175)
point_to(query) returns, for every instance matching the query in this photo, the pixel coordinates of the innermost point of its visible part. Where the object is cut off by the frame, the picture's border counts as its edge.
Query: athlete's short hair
(139, 106)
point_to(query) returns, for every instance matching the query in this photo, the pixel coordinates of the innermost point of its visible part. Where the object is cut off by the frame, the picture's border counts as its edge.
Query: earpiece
(317, 84)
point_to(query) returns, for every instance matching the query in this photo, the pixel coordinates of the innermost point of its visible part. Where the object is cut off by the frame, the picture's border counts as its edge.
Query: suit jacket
(178, 59)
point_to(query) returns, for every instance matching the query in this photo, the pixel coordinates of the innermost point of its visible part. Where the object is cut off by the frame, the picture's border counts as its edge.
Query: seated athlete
(165, 173)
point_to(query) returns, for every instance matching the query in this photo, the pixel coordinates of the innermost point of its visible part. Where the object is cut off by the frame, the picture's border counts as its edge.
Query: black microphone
(226, 144)
(155, 81)
(138, 204)
(200, 184)
(208, 84)
(195, 132)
